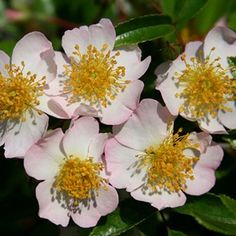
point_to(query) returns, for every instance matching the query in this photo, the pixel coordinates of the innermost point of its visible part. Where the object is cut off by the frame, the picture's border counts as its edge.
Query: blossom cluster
(91, 82)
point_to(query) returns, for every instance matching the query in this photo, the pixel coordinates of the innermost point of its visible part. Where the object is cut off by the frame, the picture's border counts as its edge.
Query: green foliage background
(161, 28)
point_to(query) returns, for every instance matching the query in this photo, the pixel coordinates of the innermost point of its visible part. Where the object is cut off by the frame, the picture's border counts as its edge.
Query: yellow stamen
(207, 87)
(78, 180)
(18, 92)
(167, 165)
(94, 77)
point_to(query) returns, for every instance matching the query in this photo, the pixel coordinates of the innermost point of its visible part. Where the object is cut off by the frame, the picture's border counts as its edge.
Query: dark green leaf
(123, 219)
(182, 10)
(229, 202)
(143, 29)
(175, 233)
(212, 213)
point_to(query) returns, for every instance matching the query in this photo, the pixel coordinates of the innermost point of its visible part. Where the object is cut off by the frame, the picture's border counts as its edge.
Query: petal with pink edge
(38, 55)
(22, 135)
(48, 208)
(105, 203)
(43, 159)
(78, 138)
(147, 126)
(122, 107)
(160, 200)
(121, 165)
(102, 33)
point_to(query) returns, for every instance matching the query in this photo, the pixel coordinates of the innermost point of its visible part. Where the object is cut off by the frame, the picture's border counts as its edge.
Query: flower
(157, 165)
(75, 183)
(199, 85)
(96, 79)
(23, 101)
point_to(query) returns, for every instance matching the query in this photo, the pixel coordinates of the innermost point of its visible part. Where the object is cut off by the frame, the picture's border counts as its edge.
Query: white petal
(228, 119)
(4, 60)
(21, 136)
(78, 138)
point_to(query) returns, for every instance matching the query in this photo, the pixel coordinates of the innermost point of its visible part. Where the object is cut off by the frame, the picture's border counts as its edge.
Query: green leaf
(211, 212)
(175, 233)
(231, 138)
(123, 219)
(182, 10)
(229, 202)
(232, 64)
(141, 29)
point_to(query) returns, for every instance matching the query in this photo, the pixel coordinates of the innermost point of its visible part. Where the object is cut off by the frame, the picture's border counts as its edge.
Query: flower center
(18, 92)
(207, 87)
(78, 180)
(94, 77)
(167, 165)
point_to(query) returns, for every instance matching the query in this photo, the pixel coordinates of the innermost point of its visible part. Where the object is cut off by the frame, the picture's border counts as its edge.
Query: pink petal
(96, 146)
(22, 135)
(4, 59)
(37, 53)
(76, 36)
(42, 160)
(204, 175)
(121, 166)
(223, 39)
(212, 126)
(102, 33)
(123, 105)
(147, 126)
(105, 203)
(78, 138)
(228, 119)
(160, 200)
(130, 58)
(48, 208)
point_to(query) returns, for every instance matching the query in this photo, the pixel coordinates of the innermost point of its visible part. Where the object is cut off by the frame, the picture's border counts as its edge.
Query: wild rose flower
(157, 165)
(199, 84)
(94, 78)
(23, 81)
(74, 180)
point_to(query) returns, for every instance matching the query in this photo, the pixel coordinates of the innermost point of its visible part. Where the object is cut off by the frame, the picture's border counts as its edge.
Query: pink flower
(74, 180)
(157, 166)
(96, 79)
(199, 84)
(23, 81)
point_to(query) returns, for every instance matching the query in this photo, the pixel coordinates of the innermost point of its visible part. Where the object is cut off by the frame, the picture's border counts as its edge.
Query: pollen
(167, 166)
(206, 87)
(19, 92)
(94, 77)
(78, 180)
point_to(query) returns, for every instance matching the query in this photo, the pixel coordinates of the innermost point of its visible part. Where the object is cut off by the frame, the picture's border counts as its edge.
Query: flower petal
(123, 105)
(42, 160)
(160, 200)
(204, 171)
(121, 165)
(96, 146)
(48, 208)
(21, 136)
(38, 55)
(105, 203)
(228, 119)
(147, 126)
(130, 58)
(78, 138)
(212, 126)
